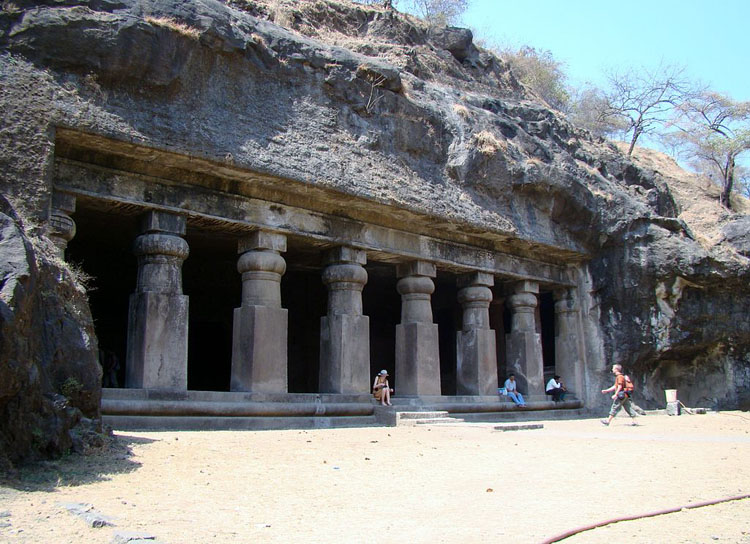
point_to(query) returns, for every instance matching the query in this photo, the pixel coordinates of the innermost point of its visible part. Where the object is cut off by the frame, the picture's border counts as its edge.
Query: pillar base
(417, 359)
(259, 350)
(157, 341)
(476, 369)
(345, 354)
(524, 352)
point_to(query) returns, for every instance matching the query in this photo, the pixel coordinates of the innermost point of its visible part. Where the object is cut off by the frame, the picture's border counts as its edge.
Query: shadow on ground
(74, 469)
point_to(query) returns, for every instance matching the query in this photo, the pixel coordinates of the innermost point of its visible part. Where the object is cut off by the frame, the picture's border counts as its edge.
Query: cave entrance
(102, 249)
(546, 323)
(448, 315)
(214, 287)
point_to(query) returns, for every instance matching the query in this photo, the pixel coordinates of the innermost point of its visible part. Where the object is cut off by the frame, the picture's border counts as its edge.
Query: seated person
(556, 389)
(513, 392)
(380, 388)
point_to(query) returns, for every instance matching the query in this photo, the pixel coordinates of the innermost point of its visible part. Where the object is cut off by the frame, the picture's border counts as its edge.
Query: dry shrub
(461, 110)
(176, 26)
(487, 143)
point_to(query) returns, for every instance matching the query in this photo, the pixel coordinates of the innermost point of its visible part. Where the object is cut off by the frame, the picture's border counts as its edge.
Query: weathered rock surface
(49, 371)
(369, 104)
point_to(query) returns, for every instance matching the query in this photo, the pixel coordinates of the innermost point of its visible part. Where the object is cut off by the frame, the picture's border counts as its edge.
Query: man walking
(620, 398)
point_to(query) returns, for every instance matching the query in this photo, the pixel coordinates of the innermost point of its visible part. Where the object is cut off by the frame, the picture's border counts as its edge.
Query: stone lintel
(345, 254)
(475, 278)
(526, 286)
(416, 268)
(262, 239)
(65, 202)
(158, 221)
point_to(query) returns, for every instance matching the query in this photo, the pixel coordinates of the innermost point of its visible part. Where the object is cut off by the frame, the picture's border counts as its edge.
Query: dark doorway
(547, 325)
(448, 315)
(211, 280)
(382, 304)
(102, 248)
(304, 296)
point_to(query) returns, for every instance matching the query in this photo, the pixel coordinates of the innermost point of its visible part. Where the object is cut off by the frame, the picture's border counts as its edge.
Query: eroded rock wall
(375, 106)
(50, 376)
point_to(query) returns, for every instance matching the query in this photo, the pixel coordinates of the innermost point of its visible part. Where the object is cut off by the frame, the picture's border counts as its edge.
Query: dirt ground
(450, 483)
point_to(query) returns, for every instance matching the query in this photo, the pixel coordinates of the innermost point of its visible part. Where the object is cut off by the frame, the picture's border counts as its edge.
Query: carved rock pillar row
(417, 343)
(568, 361)
(524, 343)
(158, 316)
(259, 340)
(62, 228)
(344, 331)
(476, 354)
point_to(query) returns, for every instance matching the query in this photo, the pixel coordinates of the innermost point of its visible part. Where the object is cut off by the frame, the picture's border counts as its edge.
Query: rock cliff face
(49, 375)
(368, 103)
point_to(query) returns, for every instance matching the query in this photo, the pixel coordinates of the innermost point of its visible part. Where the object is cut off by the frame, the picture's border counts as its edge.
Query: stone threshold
(129, 409)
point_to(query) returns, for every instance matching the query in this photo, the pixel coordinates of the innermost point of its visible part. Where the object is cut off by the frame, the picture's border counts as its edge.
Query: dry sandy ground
(454, 483)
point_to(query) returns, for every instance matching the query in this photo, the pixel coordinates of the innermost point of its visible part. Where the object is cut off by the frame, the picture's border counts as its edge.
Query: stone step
(198, 423)
(422, 415)
(438, 421)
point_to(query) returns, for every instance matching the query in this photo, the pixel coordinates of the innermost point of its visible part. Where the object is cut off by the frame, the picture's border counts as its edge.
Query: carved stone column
(524, 343)
(62, 228)
(259, 341)
(344, 331)
(568, 361)
(417, 346)
(476, 364)
(158, 317)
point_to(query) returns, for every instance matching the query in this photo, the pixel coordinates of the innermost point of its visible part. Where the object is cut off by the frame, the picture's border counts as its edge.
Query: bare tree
(716, 130)
(644, 100)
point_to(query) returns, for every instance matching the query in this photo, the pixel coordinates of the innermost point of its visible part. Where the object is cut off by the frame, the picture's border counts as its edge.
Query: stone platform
(133, 409)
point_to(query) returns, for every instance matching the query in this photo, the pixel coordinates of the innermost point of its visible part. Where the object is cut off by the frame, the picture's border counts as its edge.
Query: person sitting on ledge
(555, 389)
(380, 388)
(512, 391)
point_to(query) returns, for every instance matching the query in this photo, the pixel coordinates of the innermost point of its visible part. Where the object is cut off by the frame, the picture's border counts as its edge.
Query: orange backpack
(629, 386)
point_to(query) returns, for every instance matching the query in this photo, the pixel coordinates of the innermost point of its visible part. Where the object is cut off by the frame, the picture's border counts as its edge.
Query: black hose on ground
(584, 528)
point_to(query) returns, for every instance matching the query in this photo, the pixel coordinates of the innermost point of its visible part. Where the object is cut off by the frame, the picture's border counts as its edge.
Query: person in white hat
(381, 389)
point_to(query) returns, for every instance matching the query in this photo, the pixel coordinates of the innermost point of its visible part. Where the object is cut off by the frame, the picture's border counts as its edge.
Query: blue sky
(710, 39)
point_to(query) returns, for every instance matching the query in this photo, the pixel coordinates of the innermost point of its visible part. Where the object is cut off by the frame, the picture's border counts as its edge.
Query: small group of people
(554, 388)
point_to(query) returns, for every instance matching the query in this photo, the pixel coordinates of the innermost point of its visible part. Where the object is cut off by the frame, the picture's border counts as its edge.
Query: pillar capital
(345, 254)
(262, 240)
(525, 286)
(474, 279)
(156, 221)
(566, 300)
(416, 268)
(61, 227)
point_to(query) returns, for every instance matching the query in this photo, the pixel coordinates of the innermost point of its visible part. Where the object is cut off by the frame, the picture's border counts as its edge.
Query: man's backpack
(629, 386)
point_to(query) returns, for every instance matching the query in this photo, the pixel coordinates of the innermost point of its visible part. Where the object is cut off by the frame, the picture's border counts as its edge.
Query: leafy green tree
(715, 131)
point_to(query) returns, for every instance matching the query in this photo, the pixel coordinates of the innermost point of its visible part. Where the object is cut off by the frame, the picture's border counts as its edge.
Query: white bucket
(671, 395)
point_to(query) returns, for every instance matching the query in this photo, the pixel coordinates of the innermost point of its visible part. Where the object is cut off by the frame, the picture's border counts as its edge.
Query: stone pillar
(476, 365)
(524, 343)
(62, 228)
(259, 340)
(344, 331)
(568, 362)
(158, 317)
(417, 346)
